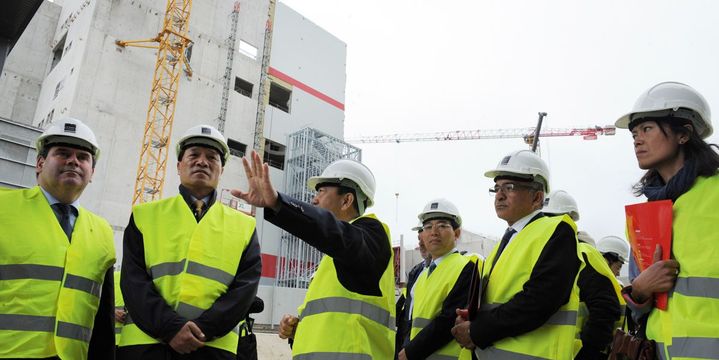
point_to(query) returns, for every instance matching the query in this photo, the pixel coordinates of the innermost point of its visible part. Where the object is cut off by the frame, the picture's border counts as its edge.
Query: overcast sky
(423, 66)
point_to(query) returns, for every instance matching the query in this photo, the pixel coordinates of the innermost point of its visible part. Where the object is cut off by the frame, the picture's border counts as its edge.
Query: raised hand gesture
(260, 192)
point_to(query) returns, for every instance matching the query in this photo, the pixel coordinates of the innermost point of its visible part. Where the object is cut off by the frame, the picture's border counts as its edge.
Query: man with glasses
(441, 288)
(349, 309)
(529, 302)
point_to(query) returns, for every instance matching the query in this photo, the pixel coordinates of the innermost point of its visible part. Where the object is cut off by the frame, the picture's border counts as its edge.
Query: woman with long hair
(668, 124)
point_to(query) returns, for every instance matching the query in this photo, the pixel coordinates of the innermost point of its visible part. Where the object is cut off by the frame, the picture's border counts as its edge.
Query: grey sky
(416, 66)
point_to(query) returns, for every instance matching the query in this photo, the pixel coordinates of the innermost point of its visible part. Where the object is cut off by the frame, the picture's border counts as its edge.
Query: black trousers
(165, 352)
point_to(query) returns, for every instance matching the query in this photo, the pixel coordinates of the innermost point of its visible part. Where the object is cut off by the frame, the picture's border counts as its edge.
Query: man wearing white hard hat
(616, 251)
(529, 303)
(56, 257)
(349, 309)
(601, 304)
(191, 265)
(441, 288)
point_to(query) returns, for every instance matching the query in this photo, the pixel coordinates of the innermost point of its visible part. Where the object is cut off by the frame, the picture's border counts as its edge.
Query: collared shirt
(521, 223)
(426, 267)
(75, 205)
(205, 199)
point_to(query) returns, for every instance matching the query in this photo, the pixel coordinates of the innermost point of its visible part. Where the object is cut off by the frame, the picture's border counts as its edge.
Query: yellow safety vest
(191, 263)
(49, 287)
(429, 294)
(554, 339)
(119, 305)
(600, 265)
(689, 328)
(340, 324)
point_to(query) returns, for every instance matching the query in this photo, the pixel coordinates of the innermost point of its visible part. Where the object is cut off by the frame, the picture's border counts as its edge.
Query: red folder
(650, 224)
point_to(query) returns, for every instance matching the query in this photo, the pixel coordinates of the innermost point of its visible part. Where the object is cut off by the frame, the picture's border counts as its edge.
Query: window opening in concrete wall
(188, 52)
(236, 148)
(58, 88)
(57, 52)
(243, 87)
(47, 120)
(274, 154)
(280, 97)
(247, 50)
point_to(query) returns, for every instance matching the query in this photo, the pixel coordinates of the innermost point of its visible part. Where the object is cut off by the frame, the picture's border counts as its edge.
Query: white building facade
(68, 64)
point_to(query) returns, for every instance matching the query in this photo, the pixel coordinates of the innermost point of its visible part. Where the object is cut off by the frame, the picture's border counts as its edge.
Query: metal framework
(588, 133)
(171, 44)
(227, 78)
(309, 151)
(263, 97)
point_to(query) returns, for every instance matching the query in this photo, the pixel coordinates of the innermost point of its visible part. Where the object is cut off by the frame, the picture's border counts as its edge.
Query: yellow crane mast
(171, 44)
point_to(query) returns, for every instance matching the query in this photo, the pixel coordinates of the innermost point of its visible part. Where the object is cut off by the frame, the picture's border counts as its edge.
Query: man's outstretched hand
(260, 192)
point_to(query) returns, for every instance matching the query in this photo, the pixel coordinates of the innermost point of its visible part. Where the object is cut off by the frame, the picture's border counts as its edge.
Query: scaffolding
(309, 151)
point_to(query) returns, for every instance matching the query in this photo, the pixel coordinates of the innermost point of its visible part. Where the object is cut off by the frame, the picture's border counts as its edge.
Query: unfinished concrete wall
(26, 66)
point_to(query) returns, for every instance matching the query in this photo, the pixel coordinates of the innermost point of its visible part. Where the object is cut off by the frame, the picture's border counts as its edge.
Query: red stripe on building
(306, 88)
(269, 265)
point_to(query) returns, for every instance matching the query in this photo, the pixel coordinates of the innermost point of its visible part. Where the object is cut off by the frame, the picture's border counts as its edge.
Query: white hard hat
(68, 131)
(666, 99)
(440, 208)
(560, 202)
(351, 174)
(584, 237)
(418, 228)
(204, 135)
(522, 163)
(616, 245)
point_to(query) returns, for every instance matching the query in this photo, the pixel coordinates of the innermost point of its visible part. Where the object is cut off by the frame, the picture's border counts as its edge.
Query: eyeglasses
(509, 188)
(439, 226)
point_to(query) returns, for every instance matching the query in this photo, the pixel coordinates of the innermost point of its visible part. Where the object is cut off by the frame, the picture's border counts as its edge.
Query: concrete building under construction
(67, 63)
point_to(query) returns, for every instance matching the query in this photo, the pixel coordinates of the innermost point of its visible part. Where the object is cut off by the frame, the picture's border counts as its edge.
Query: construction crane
(171, 44)
(528, 134)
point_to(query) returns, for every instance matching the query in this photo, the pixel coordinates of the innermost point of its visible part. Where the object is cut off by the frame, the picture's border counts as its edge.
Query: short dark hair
(46, 150)
(341, 190)
(611, 257)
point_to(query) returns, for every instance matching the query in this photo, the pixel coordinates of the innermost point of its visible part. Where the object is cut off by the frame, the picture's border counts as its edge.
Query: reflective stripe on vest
(699, 348)
(554, 339)
(191, 263)
(499, 354)
(689, 328)
(430, 293)
(339, 324)
(698, 286)
(331, 356)
(54, 284)
(349, 306)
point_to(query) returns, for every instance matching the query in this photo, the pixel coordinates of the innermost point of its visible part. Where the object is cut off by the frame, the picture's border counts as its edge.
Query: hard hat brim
(205, 142)
(54, 140)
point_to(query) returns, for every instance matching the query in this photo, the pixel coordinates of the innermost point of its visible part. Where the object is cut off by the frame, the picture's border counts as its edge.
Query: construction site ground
(269, 344)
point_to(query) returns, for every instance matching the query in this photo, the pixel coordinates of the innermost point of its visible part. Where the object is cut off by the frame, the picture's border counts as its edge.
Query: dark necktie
(63, 210)
(432, 266)
(505, 240)
(198, 206)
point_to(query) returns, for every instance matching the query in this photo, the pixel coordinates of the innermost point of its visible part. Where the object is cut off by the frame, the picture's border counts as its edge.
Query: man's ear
(538, 201)
(40, 161)
(347, 201)
(457, 233)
